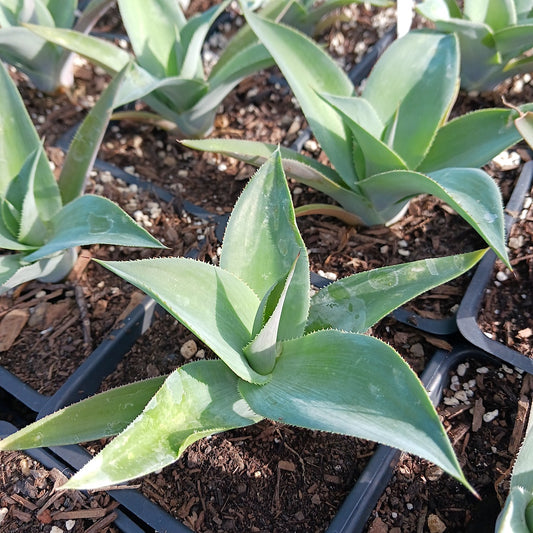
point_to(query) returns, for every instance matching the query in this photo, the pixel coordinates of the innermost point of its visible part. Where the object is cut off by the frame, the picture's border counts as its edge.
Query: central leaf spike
(262, 352)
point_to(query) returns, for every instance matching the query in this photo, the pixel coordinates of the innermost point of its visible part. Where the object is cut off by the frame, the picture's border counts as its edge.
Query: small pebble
(506, 369)
(311, 145)
(461, 396)
(482, 370)
(384, 249)
(69, 524)
(451, 401)
(409, 506)
(435, 524)
(502, 276)
(490, 416)
(56, 529)
(328, 275)
(417, 349)
(3, 513)
(188, 349)
(516, 242)
(461, 369)
(404, 253)
(25, 467)
(433, 472)
(402, 243)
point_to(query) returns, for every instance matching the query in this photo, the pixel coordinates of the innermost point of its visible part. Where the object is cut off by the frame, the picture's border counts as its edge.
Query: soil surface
(267, 477)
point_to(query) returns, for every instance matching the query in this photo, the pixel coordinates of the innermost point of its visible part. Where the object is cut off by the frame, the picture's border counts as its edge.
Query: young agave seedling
(283, 356)
(169, 73)
(49, 66)
(494, 37)
(517, 514)
(43, 220)
(393, 142)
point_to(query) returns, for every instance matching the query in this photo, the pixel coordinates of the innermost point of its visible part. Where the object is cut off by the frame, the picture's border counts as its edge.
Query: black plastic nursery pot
(473, 298)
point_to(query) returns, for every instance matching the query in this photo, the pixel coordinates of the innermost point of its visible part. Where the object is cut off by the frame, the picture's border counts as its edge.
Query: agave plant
(169, 73)
(49, 66)
(42, 220)
(393, 142)
(281, 356)
(495, 37)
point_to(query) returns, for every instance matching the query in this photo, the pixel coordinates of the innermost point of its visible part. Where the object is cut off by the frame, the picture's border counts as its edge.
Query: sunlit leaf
(262, 242)
(153, 34)
(186, 288)
(86, 143)
(103, 415)
(18, 138)
(90, 220)
(101, 52)
(350, 304)
(196, 400)
(350, 384)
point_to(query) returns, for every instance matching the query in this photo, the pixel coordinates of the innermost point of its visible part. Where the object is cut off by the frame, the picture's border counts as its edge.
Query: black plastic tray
(473, 298)
(137, 511)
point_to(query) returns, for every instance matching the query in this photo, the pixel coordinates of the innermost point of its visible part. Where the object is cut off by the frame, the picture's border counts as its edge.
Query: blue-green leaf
(350, 384)
(350, 304)
(263, 350)
(103, 415)
(317, 74)
(195, 401)
(93, 220)
(470, 191)
(262, 241)
(423, 91)
(471, 140)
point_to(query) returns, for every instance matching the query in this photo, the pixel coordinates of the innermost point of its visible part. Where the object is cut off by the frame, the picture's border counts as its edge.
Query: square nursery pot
(137, 513)
(473, 299)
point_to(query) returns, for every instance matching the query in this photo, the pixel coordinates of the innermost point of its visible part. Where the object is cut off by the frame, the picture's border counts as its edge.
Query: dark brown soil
(506, 314)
